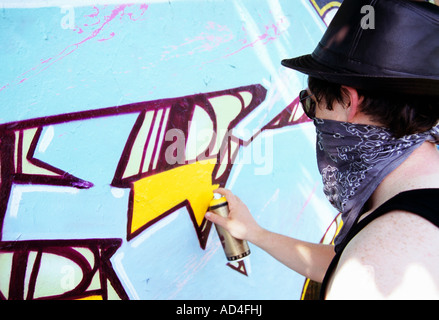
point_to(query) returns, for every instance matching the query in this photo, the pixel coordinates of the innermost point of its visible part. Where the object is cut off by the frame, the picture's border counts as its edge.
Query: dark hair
(402, 114)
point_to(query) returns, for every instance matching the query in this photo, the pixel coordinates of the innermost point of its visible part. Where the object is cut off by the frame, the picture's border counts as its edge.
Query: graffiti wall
(117, 121)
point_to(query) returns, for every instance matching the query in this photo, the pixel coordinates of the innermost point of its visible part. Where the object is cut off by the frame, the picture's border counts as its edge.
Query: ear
(353, 101)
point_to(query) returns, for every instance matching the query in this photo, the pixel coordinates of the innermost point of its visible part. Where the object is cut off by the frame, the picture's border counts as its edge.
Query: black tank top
(422, 202)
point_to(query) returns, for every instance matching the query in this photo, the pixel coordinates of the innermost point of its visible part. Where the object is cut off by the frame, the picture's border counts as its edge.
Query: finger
(225, 192)
(217, 219)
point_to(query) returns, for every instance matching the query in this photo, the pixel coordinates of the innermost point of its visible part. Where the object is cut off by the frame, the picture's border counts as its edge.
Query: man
(373, 95)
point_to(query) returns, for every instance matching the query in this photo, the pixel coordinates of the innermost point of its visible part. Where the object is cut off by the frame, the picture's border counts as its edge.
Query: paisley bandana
(353, 160)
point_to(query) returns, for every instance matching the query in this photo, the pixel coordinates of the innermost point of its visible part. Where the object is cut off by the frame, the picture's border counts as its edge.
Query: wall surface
(116, 123)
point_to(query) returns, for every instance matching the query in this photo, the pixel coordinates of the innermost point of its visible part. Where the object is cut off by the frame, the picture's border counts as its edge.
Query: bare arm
(309, 259)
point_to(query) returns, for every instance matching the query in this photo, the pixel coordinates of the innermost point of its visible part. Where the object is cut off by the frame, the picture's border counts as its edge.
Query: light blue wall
(119, 55)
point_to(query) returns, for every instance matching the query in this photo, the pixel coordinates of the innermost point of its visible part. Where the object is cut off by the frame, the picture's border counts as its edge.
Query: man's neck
(419, 171)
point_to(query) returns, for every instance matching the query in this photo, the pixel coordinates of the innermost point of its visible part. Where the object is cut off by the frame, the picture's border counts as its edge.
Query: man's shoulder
(394, 256)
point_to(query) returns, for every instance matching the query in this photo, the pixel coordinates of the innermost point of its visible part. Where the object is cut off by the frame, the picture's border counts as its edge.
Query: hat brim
(398, 83)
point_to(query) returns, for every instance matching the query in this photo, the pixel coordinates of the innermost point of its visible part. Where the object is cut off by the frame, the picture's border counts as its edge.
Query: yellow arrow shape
(156, 196)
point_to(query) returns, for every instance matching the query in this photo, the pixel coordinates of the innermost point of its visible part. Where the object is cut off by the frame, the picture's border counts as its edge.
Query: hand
(240, 223)
(309, 259)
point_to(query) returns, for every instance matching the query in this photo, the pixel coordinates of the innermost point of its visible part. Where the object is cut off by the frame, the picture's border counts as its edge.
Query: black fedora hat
(390, 45)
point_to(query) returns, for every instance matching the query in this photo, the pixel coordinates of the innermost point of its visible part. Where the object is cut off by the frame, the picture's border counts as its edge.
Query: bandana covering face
(353, 160)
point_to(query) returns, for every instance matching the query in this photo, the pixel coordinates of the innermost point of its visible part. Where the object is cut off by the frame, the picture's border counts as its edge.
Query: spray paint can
(234, 249)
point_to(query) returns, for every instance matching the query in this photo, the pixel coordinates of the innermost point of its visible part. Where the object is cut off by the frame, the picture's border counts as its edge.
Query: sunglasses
(308, 104)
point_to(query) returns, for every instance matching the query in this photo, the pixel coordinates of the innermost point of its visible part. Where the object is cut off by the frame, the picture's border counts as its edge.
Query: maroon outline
(7, 141)
(241, 268)
(181, 113)
(102, 249)
(282, 119)
(63, 178)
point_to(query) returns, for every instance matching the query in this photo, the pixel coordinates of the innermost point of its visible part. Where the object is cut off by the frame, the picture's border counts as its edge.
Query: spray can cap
(218, 200)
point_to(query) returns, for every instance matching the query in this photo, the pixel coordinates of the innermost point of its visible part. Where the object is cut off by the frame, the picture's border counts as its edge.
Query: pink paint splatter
(214, 36)
(105, 39)
(271, 32)
(143, 8)
(96, 20)
(93, 14)
(4, 87)
(307, 201)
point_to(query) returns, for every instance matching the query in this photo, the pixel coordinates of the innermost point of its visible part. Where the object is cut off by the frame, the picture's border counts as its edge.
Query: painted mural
(117, 122)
